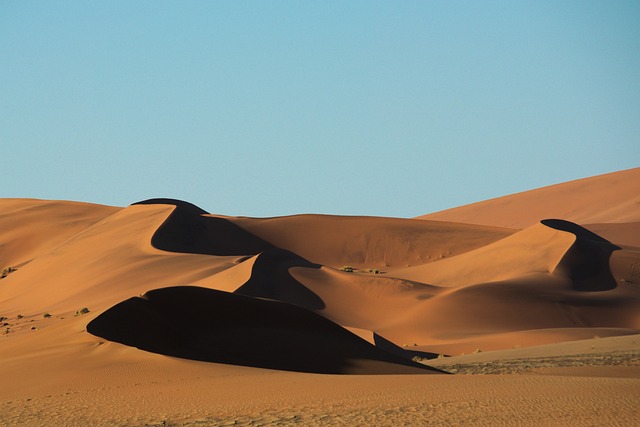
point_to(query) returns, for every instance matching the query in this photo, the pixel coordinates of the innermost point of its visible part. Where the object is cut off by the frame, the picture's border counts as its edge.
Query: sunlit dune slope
(552, 246)
(369, 242)
(537, 249)
(103, 264)
(626, 234)
(552, 275)
(32, 227)
(609, 198)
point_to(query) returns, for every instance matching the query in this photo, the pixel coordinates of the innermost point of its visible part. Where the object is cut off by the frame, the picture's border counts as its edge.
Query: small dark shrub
(82, 311)
(6, 271)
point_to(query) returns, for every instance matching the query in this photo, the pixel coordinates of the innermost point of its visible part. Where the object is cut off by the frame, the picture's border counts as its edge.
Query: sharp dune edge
(163, 314)
(609, 202)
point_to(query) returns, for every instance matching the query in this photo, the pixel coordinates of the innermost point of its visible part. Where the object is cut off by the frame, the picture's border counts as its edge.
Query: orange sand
(201, 319)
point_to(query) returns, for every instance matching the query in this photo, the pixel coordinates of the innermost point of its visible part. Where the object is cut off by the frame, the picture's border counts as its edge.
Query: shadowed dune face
(187, 230)
(271, 279)
(625, 266)
(587, 261)
(208, 325)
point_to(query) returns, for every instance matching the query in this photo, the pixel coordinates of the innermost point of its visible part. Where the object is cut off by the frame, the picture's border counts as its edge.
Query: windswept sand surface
(610, 198)
(163, 314)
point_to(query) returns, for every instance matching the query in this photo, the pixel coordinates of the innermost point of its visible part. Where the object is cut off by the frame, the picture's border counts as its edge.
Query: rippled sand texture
(522, 310)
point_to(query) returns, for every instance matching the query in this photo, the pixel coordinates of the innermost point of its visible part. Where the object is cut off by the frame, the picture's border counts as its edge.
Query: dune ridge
(162, 291)
(545, 268)
(369, 242)
(188, 230)
(32, 227)
(537, 249)
(608, 198)
(75, 274)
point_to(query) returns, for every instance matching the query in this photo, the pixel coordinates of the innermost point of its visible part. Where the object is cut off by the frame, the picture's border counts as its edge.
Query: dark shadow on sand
(386, 345)
(187, 230)
(215, 326)
(586, 263)
(271, 279)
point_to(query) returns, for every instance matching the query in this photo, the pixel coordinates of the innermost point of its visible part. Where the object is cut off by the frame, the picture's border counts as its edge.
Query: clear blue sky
(265, 108)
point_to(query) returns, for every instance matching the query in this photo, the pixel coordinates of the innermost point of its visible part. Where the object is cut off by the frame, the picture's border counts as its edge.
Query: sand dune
(552, 246)
(500, 315)
(188, 230)
(102, 265)
(551, 275)
(537, 249)
(33, 227)
(369, 242)
(625, 234)
(214, 326)
(97, 299)
(610, 198)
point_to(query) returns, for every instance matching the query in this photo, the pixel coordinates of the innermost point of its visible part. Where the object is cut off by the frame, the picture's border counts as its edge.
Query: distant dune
(97, 299)
(611, 202)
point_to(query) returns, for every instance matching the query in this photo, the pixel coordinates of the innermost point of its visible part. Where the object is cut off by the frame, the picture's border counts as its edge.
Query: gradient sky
(272, 108)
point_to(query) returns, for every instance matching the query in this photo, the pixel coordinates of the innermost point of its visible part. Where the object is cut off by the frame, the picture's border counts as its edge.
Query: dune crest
(164, 300)
(369, 242)
(189, 229)
(103, 264)
(33, 227)
(587, 261)
(608, 198)
(465, 291)
(537, 249)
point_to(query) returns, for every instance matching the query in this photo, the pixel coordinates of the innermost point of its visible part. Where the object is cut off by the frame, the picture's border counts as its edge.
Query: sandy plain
(522, 310)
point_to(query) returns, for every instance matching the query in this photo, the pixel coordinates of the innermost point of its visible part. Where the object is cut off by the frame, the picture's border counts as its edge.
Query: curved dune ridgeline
(188, 230)
(160, 313)
(284, 293)
(611, 198)
(586, 263)
(370, 242)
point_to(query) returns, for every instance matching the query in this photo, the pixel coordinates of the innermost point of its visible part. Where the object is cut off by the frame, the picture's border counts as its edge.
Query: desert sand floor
(590, 382)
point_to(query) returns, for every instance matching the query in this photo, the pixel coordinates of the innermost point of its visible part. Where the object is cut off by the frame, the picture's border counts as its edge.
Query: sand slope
(552, 275)
(183, 303)
(33, 227)
(610, 198)
(119, 257)
(102, 265)
(369, 242)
